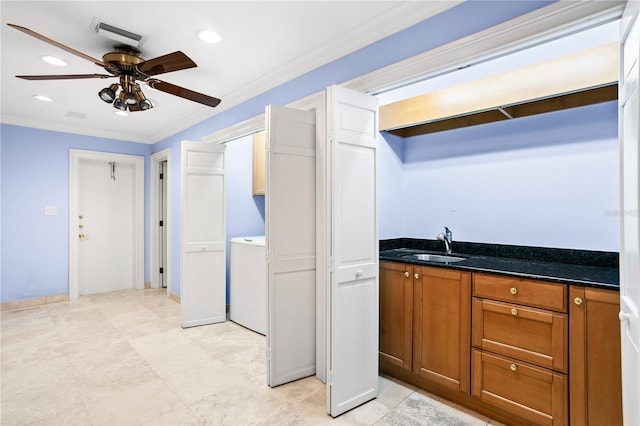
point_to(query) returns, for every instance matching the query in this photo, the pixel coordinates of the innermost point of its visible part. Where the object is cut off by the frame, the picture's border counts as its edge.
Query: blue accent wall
(34, 163)
(547, 180)
(35, 173)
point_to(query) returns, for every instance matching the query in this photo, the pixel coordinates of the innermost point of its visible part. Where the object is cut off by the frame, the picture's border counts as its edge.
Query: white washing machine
(248, 283)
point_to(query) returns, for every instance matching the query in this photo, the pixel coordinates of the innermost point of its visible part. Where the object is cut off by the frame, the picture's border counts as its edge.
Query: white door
(630, 250)
(290, 202)
(353, 301)
(203, 241)
(106, 226)
(106, 235)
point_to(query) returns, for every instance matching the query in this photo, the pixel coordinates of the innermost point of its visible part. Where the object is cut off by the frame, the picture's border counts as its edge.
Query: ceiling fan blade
(172, 89)
(57, 44)
(175, 61)
(62, 76)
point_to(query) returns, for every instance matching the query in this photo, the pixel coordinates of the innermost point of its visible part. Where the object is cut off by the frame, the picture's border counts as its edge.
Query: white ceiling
(265, 43)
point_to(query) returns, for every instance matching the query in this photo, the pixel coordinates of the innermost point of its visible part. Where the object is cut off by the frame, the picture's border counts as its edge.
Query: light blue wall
(548, 180)
(389, 175)
(34, 256)
(35, 173)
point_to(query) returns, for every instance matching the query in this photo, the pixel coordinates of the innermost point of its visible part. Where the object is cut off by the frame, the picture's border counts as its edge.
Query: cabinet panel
(521, 291)
(396, 311)
(442, 326)
(258, 163)
(536, 394)
(530, 334)
(595, 371)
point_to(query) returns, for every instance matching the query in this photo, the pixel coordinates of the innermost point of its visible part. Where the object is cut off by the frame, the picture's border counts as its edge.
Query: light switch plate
(50, 210)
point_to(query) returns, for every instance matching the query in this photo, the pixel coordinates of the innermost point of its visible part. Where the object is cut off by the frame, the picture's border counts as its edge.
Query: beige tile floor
(121, 358)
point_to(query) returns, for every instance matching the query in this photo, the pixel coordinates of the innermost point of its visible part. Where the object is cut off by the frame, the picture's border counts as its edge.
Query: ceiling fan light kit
(126, 64)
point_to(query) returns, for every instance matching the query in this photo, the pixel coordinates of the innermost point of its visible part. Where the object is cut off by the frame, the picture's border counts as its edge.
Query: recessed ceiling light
(54, 61)
(121, 113)
(43, 98)
(209, 36)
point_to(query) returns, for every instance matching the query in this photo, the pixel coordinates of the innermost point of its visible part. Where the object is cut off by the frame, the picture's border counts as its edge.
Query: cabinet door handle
(406, 274)
(513, 290)
(416, 276)
(513, 367)
(514, 311)
(577, 301)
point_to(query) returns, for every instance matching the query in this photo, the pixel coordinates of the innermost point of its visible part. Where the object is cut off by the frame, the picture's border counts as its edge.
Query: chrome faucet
(447, 237)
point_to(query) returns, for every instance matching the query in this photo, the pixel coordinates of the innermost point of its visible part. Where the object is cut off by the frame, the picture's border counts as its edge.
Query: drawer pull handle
(406, 275)
(577, 301)
(513, 367)
(513, 290)
(416, 276)
(514, 311)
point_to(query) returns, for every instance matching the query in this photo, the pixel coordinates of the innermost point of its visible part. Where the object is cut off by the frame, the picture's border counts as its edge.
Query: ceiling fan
(126, 64)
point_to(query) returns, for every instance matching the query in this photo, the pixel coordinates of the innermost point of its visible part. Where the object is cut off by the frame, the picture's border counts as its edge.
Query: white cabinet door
(203, 245)
(630, 250)
(353, 318)
(290, 210)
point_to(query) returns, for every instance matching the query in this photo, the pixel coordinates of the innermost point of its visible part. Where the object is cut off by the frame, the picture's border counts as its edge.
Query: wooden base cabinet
(520, 339)
(521, 351)
(595, 371)
(425, 323)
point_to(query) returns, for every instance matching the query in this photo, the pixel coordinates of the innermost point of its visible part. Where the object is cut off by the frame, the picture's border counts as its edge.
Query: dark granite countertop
(581, 267)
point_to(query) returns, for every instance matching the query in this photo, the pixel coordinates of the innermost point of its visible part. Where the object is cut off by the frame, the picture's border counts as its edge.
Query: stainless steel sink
(436, 258)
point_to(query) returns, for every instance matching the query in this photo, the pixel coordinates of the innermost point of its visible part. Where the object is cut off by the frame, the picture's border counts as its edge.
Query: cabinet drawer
(529, 334)
(536, 394)
(522, 291)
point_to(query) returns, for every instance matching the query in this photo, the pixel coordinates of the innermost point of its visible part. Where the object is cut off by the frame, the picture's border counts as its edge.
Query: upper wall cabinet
(258, 163)
(579, 79)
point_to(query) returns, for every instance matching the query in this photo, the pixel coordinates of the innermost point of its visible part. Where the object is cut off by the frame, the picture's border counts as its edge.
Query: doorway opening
(160, 248)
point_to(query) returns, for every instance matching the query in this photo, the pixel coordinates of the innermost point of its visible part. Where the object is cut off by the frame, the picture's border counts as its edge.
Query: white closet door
(203, 246)
(630, 250)
(353, 319)
(290, 202)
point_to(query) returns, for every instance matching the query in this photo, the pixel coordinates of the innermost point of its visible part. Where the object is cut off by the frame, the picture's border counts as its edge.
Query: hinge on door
(162, 270)
(161, 176)
(331, 264)
(268, 354)
(162, 223)
(330, 378)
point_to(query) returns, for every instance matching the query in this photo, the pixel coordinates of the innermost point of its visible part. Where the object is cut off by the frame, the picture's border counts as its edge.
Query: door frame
(156, 159)
(75, 156)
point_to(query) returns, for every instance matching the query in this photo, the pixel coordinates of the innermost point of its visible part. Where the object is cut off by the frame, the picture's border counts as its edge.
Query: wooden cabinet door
(396, 311)
(442, 326)
(595, 372)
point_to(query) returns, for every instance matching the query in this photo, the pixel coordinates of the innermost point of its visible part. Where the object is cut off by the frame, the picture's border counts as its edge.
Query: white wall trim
(75, 156)
(154, 275)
